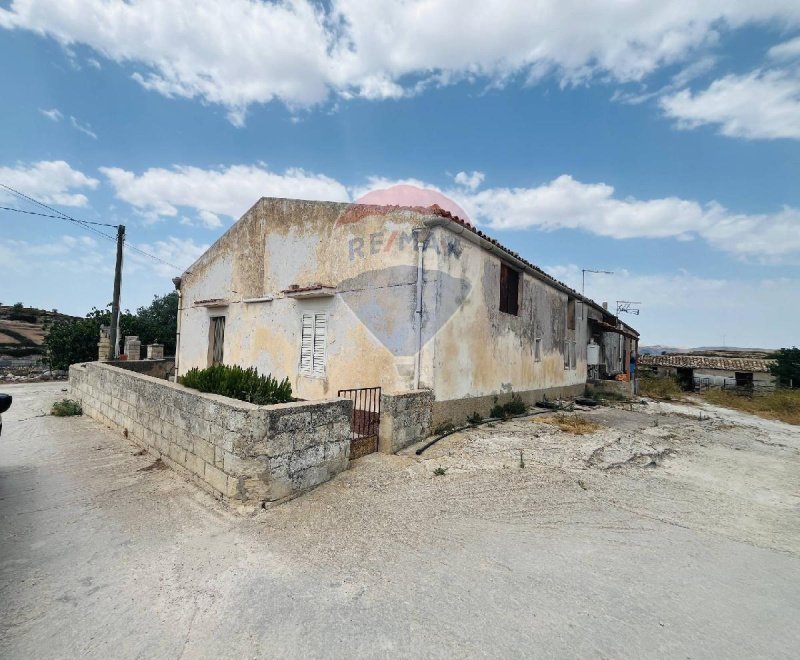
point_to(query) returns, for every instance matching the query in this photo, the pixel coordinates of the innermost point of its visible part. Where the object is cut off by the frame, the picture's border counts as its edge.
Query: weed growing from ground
(575, 424)
(780, 404)
(66, 408)
(475, 418)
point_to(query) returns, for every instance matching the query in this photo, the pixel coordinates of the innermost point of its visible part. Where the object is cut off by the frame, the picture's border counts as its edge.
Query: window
(571, 314)
(509, 290)
(570, 348)
(579, 308)
(216, 339)
(313, 340)
(537, 349)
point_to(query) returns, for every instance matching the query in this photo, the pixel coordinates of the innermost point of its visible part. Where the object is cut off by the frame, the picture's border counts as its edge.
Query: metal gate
(366, 419)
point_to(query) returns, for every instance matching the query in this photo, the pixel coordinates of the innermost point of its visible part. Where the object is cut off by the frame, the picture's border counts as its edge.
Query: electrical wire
(84, 223)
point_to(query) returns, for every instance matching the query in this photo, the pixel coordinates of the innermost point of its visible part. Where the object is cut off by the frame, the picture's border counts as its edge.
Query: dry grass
(659, 388)
(783, 405)
(575, 424)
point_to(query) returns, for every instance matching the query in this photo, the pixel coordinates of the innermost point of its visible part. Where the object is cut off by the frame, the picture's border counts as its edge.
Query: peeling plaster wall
(480, 351)
(368, 253)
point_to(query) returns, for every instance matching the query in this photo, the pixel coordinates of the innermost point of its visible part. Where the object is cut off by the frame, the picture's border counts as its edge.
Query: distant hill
(23, 329)
(710, 351)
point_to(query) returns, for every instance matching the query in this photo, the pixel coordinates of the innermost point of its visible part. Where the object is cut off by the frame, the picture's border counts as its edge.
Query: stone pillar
(155, 351)
(133, 347)
(104, 345)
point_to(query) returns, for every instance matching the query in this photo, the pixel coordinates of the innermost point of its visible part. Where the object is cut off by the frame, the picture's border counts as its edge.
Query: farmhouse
(344, 299)
(702, 372)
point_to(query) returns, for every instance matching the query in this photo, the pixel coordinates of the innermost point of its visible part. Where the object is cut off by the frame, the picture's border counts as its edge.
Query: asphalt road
(102, 556)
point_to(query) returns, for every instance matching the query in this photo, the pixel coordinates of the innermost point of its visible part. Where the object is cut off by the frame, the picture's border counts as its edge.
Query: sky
(659, 141)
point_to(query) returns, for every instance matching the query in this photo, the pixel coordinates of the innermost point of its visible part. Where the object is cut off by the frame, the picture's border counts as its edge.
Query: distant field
(22, 331)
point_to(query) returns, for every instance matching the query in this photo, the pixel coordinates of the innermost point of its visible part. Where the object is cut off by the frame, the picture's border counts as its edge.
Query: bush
(659, 388)
(475, 418)
(66, 408)
(516, 406)
(497, 411)
(787, 366)
(238, 383)
(444, 427)
(75, 340)
(26, 318)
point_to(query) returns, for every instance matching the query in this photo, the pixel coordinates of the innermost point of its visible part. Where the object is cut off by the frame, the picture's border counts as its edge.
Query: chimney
(605, 306)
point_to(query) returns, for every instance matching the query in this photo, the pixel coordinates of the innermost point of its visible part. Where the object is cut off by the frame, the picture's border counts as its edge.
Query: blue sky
(661, 142)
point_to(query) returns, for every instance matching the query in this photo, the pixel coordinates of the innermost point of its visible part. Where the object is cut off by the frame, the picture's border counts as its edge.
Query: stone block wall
(239, 452)
(163, 368)
(457, 411)
(613, 387)
(405, 419)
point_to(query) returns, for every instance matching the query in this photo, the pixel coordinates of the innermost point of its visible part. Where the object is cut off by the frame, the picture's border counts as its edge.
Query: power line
(50, 208)
(44, 215)
(84, 223)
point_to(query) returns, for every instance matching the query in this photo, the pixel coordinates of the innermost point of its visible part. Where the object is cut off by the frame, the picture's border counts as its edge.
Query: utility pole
(115, 301)
(590, 270)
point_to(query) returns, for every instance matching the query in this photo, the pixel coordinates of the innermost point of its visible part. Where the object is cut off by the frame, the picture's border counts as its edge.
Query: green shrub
(66, 408)
(516, 406)
(440, 471)
(660, 388)
(444, 427)
(497, 412)
(238, 383)
(475, 418)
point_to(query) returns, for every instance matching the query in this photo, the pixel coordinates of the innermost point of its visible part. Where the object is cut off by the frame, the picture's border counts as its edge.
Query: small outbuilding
(698, 372)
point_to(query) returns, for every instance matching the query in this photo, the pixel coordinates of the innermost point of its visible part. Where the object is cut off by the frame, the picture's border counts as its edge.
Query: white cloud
(83, 128)
(68, 254)
(52, 115)
(565, 203)
(52, 182)
(179, 253)
(241, 52)
(786, 50)
(226, 191)
(684, 309)
(760, 104)
(469, 180)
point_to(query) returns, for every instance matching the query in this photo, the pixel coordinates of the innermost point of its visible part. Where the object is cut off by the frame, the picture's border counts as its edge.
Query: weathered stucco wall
(480, 351)
(367, 253)
(239, 452)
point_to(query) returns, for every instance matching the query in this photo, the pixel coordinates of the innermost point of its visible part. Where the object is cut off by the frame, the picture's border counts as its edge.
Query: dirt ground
(672, 530)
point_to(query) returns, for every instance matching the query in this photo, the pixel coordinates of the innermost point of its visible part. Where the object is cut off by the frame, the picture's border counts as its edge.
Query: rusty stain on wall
(369, 256)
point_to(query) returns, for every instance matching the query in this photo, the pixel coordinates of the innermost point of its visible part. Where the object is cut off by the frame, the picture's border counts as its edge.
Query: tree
(787, 366)
(157, 323)
(75, 340)
(72, 340)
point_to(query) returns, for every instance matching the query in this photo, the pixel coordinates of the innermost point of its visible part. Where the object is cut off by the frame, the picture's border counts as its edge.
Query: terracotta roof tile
(702, 362)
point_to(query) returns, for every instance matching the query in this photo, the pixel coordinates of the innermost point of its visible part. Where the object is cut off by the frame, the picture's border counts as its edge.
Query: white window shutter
(307, 345)
(320, 342)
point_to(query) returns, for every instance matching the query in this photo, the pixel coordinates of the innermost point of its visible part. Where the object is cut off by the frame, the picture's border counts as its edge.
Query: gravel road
(661, 534)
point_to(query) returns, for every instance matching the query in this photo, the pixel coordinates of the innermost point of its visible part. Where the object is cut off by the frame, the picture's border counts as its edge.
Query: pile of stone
(28, 375)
